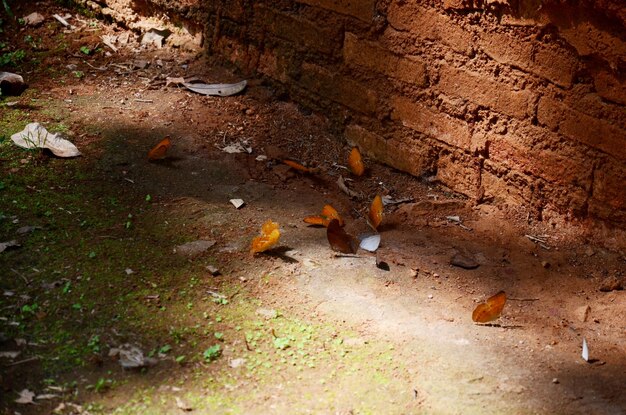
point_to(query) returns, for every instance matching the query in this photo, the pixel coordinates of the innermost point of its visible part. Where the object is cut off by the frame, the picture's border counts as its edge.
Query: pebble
(465, 262)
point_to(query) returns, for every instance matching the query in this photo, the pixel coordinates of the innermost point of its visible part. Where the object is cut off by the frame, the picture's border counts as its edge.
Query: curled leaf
(328, 213)
(355, 162)
(375, 216)
(300, 167)
(339, 239)
(491, 309)
(268, 239)
(159, 151)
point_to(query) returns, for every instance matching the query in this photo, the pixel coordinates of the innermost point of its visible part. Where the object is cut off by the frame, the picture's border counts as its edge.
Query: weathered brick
(610, 87)
(504, 184)
(556, 167)
(272, 65)
(457, 4)
(401, 153)
(608, 200)
(305, 34)
(483, 90)
(551, 62)
(459, 172)
(581, 127)
(338, 88)
(431, 122)
(428, 24)
(361, 9)
(358, 52)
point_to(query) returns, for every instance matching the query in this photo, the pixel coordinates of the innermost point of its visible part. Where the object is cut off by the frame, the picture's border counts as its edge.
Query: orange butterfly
(339, 239)
(375, 216)
(355, 162)
(491, 309)
(269, 237)
(300, 167)
(159, 151)
(328, 213)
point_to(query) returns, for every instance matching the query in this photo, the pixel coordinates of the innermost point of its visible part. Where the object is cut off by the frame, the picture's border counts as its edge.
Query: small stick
(247, 345)
(19, 362)
(149, 101)
(23, 277)
(347, 256)
(523, 299)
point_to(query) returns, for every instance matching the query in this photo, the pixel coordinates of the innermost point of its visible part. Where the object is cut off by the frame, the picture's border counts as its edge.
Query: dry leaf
(300, 167)
(355, 162)
(269, 237)
(26, 397)
(339, 239)
(491, 309)
(328, 213)
(159, 151)
(375, 216)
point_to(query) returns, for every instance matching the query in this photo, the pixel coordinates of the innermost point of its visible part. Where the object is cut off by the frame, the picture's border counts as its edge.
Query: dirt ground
(397, 342)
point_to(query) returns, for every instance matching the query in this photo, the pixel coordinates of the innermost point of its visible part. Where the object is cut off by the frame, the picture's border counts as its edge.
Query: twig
(540, 240)
(247, 345)
(102, 68)
(62, 21)
(19, 362)
(22, 276)
(149, 101)
(347, 256)
(399, 201)
(523, 299)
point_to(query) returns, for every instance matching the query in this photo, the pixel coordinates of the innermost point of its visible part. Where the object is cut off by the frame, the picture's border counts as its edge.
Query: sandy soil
(528, 361)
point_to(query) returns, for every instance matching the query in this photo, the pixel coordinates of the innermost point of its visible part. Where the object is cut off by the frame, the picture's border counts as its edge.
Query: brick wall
(513, 101)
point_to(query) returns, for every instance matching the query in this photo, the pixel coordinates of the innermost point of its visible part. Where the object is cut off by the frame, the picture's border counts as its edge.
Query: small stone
(611, 284)
(430, 296)
(237, 203)
(212, 270)
(545, 264)
(583, 313)
(555, 381)
(182, 405)
(414, 272)
(33, 19)
(11, 84)
(465, 262)
(235, 363)
(266, 313)
(140, 64)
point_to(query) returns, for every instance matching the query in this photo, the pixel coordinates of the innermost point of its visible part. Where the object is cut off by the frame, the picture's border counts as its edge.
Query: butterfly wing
(355, 162)
(159, 151)
(339, 239)
(268, 239)
(375, 215)
(491, 309)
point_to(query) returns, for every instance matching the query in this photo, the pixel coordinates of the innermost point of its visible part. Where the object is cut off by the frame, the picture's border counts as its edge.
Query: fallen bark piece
(221, 90)
(11, 84)
(36, 136)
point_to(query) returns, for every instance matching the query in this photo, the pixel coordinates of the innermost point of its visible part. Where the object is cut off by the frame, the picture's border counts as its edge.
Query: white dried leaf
(26, 397)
